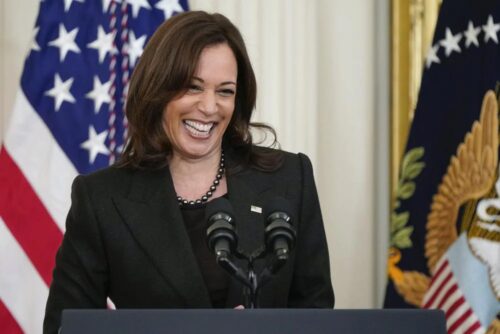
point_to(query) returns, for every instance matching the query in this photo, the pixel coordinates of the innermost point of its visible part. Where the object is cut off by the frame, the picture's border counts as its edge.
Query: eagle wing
(470, 175)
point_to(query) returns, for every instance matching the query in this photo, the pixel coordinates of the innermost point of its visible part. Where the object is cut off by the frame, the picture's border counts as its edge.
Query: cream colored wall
(17, 18)
(316, 64)
(345, 167)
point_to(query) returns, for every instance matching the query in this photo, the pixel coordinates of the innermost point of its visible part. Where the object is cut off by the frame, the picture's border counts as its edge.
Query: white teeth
(198, 126)
(198, 129)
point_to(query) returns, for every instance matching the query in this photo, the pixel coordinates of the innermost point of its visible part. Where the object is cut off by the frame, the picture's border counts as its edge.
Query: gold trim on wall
(412, 29)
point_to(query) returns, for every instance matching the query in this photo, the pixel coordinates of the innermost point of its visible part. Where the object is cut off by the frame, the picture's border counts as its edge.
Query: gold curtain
(412, 29)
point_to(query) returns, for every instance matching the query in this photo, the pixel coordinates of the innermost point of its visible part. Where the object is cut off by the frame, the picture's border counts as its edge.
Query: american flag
(445, 231)
(67, 119)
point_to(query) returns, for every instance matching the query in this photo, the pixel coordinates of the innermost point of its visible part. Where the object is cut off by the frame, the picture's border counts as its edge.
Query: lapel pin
(257, 209)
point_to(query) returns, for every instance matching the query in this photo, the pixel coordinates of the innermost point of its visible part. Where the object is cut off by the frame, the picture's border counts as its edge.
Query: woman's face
(196, 120)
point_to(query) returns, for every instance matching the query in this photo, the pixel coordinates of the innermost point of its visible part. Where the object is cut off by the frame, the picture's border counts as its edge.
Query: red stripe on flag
(447, 295)
(438, 290)
(8, 324)
(459, 321)
(27, 219)
(454, 307)
(475, 326)
(439, 271)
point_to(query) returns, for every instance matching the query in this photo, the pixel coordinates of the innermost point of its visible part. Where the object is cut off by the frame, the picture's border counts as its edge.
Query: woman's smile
(199, 129)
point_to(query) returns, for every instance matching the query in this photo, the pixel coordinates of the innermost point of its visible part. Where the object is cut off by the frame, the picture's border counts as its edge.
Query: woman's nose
(208, 102)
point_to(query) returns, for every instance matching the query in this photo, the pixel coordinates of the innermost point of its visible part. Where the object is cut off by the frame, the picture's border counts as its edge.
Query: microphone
(221, 235)
(279, 233)
(222, 238)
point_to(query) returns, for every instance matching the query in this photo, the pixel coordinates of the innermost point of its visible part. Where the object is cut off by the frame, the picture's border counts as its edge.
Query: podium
(261, 321)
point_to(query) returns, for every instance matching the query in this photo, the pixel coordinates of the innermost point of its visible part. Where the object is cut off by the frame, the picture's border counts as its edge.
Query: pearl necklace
(220, 172)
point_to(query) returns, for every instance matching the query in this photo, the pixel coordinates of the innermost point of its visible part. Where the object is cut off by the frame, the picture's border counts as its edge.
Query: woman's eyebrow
(221, 84)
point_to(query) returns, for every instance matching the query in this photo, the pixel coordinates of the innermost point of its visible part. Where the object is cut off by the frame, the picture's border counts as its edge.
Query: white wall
(317, 64)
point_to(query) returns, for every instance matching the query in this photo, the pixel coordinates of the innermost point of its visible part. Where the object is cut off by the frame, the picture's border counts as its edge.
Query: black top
(216, 279)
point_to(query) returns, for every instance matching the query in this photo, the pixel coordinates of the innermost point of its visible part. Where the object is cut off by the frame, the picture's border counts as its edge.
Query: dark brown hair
(165, 70)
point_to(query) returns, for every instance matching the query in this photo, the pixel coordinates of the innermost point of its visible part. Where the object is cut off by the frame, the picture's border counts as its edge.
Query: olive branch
(410, 169)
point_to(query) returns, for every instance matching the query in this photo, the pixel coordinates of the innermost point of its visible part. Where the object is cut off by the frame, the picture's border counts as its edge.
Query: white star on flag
(106, 3)
(169, 7)
(490, 30)
(103, 44)
(67, 3)
(137, 5)
(65, 42)
(95, 144)
(60, 92)
(432, 56)
(471, 35)
(135, 47)
(100, 93)
(450, 43)
(34, 43)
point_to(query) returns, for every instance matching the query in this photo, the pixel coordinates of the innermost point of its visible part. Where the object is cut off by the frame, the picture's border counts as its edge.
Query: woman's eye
(194, 88)
(226, 92)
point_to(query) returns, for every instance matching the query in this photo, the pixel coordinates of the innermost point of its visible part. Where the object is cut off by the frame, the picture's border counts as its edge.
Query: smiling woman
(136, 231)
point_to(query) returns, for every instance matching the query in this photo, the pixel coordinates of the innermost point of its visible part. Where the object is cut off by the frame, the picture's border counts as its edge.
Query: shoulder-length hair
(165, 70)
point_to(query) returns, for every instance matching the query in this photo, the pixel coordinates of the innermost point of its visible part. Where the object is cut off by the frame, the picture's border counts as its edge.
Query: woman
(135, 231)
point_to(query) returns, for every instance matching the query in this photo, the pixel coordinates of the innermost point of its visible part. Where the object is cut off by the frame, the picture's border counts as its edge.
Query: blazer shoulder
(109, 179)
(289, 158)
(294, 169)
(294, 162)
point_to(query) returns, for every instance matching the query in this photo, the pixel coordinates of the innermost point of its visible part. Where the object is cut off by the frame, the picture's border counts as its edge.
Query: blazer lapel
(154, 218)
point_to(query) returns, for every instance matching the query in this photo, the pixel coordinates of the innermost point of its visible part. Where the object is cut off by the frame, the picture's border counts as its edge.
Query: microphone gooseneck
(279, 233)
(222, 239)
(221, 235)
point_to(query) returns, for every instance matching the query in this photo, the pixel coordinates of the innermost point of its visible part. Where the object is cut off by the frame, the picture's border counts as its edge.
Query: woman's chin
(197, 150)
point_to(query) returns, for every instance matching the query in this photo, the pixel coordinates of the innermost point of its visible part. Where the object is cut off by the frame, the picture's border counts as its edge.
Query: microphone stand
(252, 281)
(224, 260)
(250, 291)
(249, 279)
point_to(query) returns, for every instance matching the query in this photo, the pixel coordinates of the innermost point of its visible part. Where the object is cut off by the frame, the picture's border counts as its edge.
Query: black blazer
(125, 238)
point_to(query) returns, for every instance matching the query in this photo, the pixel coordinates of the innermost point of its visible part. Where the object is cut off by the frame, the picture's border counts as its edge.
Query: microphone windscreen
(277, 204)
(218, 205)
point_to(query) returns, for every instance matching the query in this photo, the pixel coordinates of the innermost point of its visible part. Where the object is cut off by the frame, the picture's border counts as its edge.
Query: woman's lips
(198, 129)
